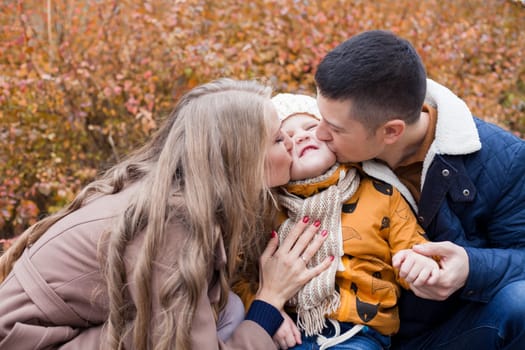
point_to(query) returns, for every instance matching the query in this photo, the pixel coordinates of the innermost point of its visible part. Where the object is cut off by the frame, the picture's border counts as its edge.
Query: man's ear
(392, 130)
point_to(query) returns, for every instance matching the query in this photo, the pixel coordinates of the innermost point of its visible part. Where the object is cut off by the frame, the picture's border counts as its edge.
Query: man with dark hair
(465, 175)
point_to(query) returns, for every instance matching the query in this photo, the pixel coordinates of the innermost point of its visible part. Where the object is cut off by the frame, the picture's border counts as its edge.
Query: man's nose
(322, 132)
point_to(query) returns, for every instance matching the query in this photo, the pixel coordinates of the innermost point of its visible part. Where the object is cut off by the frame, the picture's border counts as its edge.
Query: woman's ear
(393, 129)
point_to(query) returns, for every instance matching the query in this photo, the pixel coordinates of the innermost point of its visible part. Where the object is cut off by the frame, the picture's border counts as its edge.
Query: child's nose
(301, 136)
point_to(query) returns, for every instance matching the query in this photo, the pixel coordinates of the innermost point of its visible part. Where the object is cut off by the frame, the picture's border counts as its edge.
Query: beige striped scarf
(318, 297)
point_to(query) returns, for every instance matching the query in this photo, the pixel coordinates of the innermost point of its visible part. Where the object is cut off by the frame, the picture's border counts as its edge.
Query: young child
(367, 220)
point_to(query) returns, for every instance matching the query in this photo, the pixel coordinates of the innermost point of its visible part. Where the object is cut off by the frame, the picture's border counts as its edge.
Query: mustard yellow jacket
(376, 223)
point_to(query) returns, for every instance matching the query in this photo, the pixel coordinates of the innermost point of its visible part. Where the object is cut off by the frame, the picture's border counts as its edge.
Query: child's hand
(288, 334)
(415, 269)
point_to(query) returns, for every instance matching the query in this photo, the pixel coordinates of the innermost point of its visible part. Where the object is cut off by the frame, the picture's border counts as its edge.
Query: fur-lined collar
(456, 132)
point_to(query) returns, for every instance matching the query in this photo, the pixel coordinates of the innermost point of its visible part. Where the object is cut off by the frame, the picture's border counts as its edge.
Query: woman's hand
(283, 268)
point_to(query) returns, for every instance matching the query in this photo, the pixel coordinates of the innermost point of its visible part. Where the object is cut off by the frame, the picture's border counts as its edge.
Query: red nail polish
(274, 234)
(306, 219)
(317, 223)
(324, 233)
(332, 258)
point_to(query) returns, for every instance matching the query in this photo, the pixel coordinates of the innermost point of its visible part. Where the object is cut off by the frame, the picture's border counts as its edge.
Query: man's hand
(454, 270)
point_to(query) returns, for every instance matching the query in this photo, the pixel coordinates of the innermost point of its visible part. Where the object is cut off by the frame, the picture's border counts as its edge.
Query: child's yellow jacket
(376, 223)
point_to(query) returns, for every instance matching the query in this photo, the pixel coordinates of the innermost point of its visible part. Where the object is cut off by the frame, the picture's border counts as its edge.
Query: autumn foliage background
(82, 82)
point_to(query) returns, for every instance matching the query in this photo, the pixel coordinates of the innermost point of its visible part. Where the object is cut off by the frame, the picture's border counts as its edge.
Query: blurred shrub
(83, 82)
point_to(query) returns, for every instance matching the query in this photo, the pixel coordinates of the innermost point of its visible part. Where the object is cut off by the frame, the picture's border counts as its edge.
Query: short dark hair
(380, 73)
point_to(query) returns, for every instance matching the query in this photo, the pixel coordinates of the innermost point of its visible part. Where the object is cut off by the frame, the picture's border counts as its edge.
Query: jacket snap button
(466, 192)
(445, 172)
(420, 219)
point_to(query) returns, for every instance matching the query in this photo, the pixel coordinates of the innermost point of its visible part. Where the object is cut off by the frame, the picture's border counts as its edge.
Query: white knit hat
(288, 105)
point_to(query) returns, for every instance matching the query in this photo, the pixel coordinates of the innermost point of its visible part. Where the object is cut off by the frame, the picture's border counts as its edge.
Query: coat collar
(219, 261)
(382, 172)
(456, 132)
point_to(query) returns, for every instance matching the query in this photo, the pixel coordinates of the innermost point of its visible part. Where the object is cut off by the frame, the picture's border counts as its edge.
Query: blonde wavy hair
(210, 155)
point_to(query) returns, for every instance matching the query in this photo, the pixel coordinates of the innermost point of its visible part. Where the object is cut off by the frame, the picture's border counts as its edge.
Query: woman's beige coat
(56, 295)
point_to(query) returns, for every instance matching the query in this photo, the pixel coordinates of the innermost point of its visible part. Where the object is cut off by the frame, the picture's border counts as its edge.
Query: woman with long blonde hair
(143, 257)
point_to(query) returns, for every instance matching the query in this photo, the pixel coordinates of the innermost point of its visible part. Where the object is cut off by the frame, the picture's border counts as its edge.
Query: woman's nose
(288, 143)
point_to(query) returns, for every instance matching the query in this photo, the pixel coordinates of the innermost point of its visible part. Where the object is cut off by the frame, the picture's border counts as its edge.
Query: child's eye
(312, 127)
